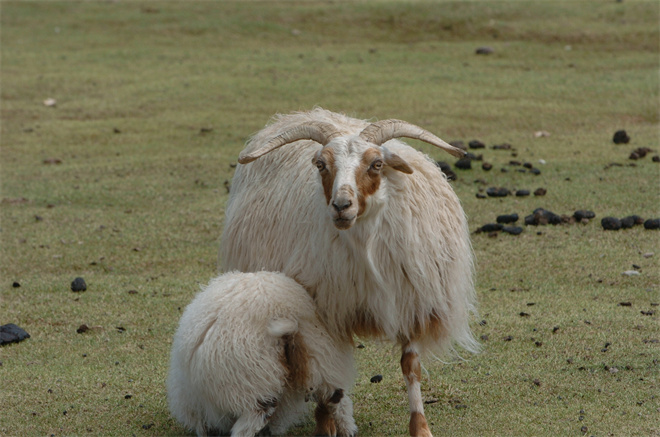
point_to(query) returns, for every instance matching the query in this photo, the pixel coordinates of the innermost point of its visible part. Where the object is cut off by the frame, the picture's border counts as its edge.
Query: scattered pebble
(541, 134)
(621, 137)
(11, 333)
(648, 254)
(78, 285)
(631, 273)
(51, 103)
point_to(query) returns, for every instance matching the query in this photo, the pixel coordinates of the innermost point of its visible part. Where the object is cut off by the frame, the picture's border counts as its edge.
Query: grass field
(124, 180)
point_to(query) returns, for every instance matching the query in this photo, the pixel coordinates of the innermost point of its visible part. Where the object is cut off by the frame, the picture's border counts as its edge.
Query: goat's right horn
(320, 132)
(385, 130)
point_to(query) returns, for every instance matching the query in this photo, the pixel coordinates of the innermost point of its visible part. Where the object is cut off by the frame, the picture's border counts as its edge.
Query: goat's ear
(396, 162)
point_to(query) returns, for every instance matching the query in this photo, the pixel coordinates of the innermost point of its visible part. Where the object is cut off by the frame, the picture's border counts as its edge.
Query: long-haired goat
(249, 352)
(367, 224)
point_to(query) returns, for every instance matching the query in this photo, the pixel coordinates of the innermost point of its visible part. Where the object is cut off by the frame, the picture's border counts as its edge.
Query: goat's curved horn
(385, 130)
(320, 132)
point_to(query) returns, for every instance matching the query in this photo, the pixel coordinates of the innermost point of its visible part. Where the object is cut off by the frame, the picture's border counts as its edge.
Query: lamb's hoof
(418, 426)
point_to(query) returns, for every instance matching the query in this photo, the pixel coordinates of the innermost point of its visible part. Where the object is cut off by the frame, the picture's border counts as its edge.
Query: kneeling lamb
(249, 352)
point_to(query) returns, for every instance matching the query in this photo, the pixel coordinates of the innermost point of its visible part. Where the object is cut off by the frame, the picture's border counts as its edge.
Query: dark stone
(476, 144)
(540, 192)
(507, 218)
(78, 285)
(583, 214)
(522, 193)
(11, 333)
(513, 230)
(464, 163)
(652, 224)
(621, 137)
(484, 50)
(376, 379)
(611, 223)
(497, 192)
(487, 166)
(491, 227)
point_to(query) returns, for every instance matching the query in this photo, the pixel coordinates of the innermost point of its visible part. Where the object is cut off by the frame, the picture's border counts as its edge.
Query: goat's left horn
(385, 130)
(320, 132)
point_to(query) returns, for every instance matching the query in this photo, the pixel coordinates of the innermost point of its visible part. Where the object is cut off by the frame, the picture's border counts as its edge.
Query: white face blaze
(350, 170)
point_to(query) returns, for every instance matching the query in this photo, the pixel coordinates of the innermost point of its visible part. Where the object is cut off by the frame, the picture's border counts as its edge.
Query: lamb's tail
(281, 327)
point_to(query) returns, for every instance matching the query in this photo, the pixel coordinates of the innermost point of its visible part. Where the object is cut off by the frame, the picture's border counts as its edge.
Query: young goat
(367, 224)
(249, 352)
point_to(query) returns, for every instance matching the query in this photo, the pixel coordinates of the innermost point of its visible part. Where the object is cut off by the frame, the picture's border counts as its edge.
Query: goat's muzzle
(343, 208)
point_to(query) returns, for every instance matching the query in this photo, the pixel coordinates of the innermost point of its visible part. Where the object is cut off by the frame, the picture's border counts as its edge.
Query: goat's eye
(377, 165)
(320, 165)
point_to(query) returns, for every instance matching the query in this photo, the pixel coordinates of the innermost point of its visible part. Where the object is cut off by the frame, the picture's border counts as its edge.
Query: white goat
(249, 352)
(398, 261)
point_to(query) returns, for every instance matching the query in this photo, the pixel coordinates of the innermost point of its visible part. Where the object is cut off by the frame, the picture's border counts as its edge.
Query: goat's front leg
(412, 373)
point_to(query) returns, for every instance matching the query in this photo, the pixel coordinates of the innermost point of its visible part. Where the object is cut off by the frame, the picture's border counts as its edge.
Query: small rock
(652, 224)
(621, 137)
(631, 273)
(522, 193)
(541, 134)
(497, 192)
(11, 333)
(376, 379)
(507, 218)
(540, 192)
(613, 370)
(485, 50)
(583, 214)
(78, 285)
(513, 230)
(51, 103)
(611, 223)
(648, 254)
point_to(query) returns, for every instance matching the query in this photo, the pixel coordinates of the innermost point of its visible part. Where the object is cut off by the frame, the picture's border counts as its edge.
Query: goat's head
(351, 166)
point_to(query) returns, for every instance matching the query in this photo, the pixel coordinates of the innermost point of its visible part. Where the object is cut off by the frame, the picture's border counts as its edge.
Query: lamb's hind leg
(412, 373)
(251, 422)
(334, 416)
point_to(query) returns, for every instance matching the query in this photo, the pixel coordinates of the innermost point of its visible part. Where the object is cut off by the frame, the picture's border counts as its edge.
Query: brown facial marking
(295, 360)
(418, 426)
(325, 423)
(411, 367)
(327, 156)
(367, 178)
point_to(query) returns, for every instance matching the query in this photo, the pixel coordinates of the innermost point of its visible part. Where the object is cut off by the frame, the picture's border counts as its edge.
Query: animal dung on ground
(446, 169)
(513, 230)
(621, 137)
(486, 166)
(497, 192)
(476, 144)
(485, 50)
(78, 285)
(507, 218)
(652, 224)
(376, 379)
(611, 223)
(540, 192)
(464, 163)
(541, 216)
(490, 227)
(583, 214)
(522, 193)
(11, 333)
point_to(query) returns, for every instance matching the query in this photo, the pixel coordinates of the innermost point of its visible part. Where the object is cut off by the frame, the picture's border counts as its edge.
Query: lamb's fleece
(249, 352)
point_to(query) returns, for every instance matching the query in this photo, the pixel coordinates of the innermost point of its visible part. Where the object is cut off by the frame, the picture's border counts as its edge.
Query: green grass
(156, 99)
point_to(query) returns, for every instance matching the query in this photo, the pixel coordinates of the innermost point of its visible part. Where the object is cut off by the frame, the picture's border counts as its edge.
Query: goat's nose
(341, 204)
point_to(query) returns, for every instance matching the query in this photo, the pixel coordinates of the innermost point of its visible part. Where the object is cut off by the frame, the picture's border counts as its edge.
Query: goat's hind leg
(412, 373)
